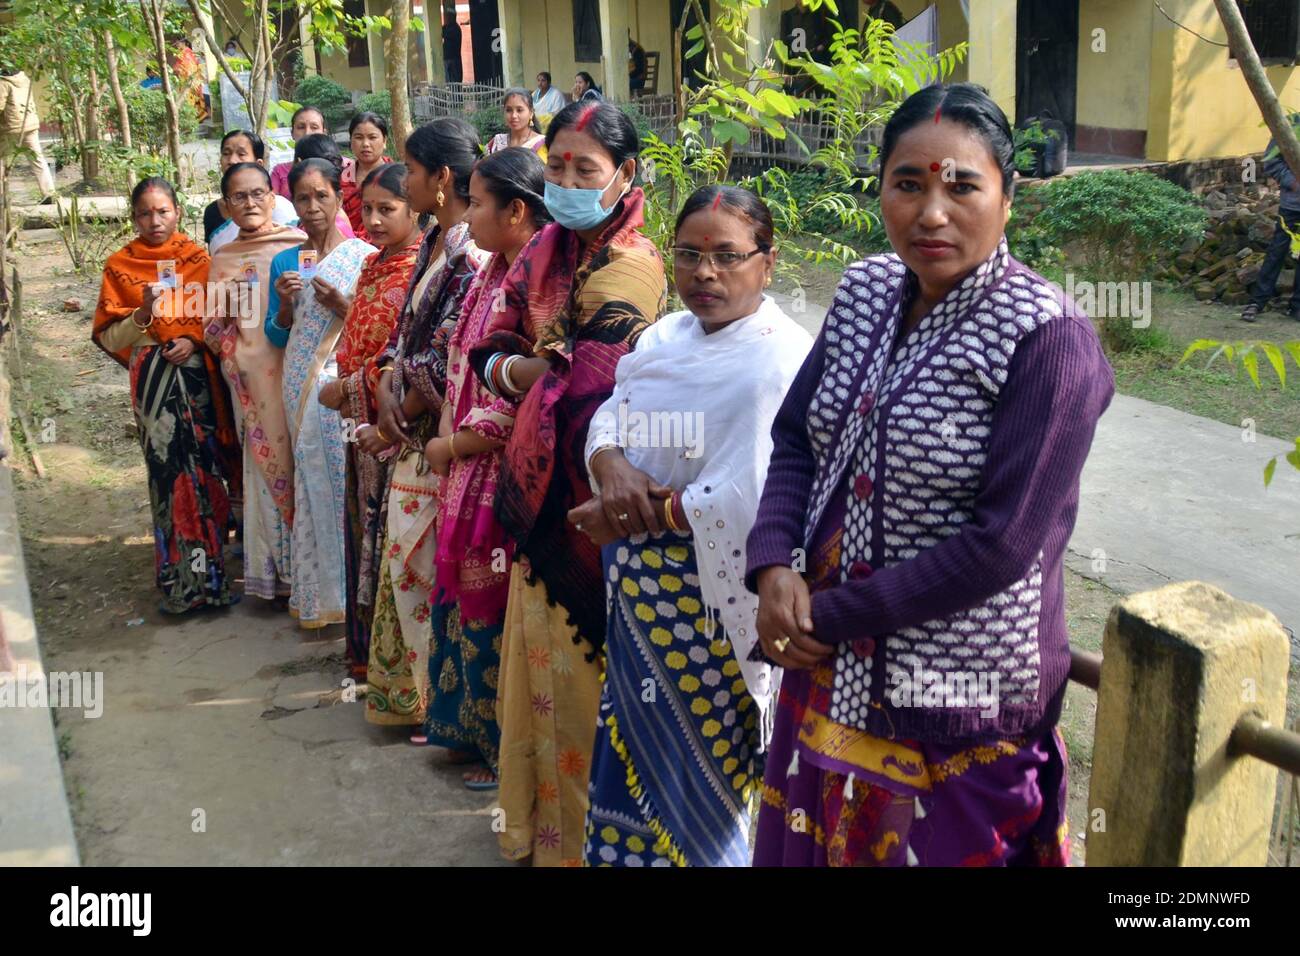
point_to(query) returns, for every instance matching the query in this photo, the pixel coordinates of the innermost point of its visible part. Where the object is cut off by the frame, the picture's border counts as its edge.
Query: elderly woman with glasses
(240, 276)
(677, 456)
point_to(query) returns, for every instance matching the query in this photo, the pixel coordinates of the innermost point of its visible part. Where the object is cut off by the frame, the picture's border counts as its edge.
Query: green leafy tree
(326, 22)
(736, 99)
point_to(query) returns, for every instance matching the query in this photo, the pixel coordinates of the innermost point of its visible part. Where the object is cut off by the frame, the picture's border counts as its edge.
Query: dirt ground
(236, 713)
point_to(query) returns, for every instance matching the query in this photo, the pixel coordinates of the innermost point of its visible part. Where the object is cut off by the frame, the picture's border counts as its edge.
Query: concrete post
(1181, 665)
(511, 18)
(991, 61)
(613, 49)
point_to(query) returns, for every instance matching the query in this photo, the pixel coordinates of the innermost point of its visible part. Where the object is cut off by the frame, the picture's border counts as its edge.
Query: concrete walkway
(1168, 496)
(35, 825)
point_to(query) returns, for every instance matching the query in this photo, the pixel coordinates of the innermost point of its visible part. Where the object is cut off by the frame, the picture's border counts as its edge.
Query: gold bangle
(668, 514)
(380, 432)
(595, 454)
(451, 445)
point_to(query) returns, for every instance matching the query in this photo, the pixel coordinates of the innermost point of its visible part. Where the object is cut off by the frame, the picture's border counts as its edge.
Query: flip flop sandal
(481, 784)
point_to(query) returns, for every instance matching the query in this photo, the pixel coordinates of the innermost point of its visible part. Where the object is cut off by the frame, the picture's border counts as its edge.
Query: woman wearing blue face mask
(598, 284)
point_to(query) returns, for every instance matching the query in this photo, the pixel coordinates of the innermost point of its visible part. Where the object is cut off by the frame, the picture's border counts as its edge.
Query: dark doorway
(484, 24)
(1047, 60)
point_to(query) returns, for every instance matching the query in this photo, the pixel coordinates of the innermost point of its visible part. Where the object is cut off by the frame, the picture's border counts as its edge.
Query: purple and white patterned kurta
(959, 504)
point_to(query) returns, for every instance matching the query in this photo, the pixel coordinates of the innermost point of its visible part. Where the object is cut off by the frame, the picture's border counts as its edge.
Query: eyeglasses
(690, 259)
(255, 197)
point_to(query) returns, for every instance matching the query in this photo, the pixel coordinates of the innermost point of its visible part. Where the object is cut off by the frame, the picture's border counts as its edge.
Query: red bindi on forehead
(568, 156)
(934, 167)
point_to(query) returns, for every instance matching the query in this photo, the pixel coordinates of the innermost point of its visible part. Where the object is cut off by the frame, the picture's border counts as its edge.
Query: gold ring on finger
(781, 644)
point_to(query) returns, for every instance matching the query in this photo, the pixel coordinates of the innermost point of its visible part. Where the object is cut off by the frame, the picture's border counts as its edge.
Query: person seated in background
(546, 98)
(636, 68)
(585, 88)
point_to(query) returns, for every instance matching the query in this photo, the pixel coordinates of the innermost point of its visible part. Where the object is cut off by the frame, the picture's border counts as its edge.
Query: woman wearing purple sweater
(908, 548)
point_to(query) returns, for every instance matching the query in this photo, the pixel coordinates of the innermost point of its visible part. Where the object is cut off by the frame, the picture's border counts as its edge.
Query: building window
(1274, 28)
(586, 31)
(358, 48)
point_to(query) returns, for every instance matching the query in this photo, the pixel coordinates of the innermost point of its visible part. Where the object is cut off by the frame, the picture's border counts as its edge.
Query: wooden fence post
(1182, 664)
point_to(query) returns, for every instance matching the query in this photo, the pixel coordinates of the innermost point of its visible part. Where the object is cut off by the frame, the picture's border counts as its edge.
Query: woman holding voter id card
(150, 319)
(236, 306)
(310, 291)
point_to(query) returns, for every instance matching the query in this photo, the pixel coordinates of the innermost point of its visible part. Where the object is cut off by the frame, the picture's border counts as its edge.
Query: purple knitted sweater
(958, 450)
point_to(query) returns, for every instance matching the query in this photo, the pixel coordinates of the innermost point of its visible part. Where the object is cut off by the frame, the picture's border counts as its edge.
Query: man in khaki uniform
(19, 124)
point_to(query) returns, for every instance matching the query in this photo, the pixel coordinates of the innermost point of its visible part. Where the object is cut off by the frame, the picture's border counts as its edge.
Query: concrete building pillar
(375, 47)
(510, 14)
(991, 61)
(613, 49)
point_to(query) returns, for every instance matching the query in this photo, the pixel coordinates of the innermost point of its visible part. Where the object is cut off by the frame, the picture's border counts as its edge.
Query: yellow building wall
(1114, 85)
(652, 27)
(548, 43)
(991, 59)
(1199, 105)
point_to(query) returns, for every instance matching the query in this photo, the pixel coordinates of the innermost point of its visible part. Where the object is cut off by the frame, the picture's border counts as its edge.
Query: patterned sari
(838, 796)
(253, 368)
(473, 552)
(186, 429)
(599, 298)
(318, 596)
(382, 290)
(406, 499)
(674, 769)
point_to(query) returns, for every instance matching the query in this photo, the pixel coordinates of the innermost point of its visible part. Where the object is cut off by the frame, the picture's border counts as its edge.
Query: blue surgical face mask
(577, 209)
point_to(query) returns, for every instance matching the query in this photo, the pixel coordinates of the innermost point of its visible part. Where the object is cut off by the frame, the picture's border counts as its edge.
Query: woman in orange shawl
(150, 319)
(239, 277)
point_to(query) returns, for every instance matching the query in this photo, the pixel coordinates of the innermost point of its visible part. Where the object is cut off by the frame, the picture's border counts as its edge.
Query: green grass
(1219, 392)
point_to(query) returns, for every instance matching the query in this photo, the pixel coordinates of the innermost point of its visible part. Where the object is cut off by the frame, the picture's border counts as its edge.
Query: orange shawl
(126, 274)
(131, 269)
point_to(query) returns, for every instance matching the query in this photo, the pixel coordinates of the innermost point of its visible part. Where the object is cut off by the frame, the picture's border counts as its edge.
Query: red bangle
(679, 512)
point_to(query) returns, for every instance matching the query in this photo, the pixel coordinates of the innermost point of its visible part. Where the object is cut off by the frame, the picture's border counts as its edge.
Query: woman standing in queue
(506, 209)
(368, 133)
(927, 463)
(674, 771)
(606, 283)
(253, 369)
(397, 508)
(380, 295)
(187, 431)
(311, 288)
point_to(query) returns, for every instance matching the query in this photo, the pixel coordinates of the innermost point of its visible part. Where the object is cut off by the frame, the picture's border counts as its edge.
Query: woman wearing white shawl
(678, 455)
